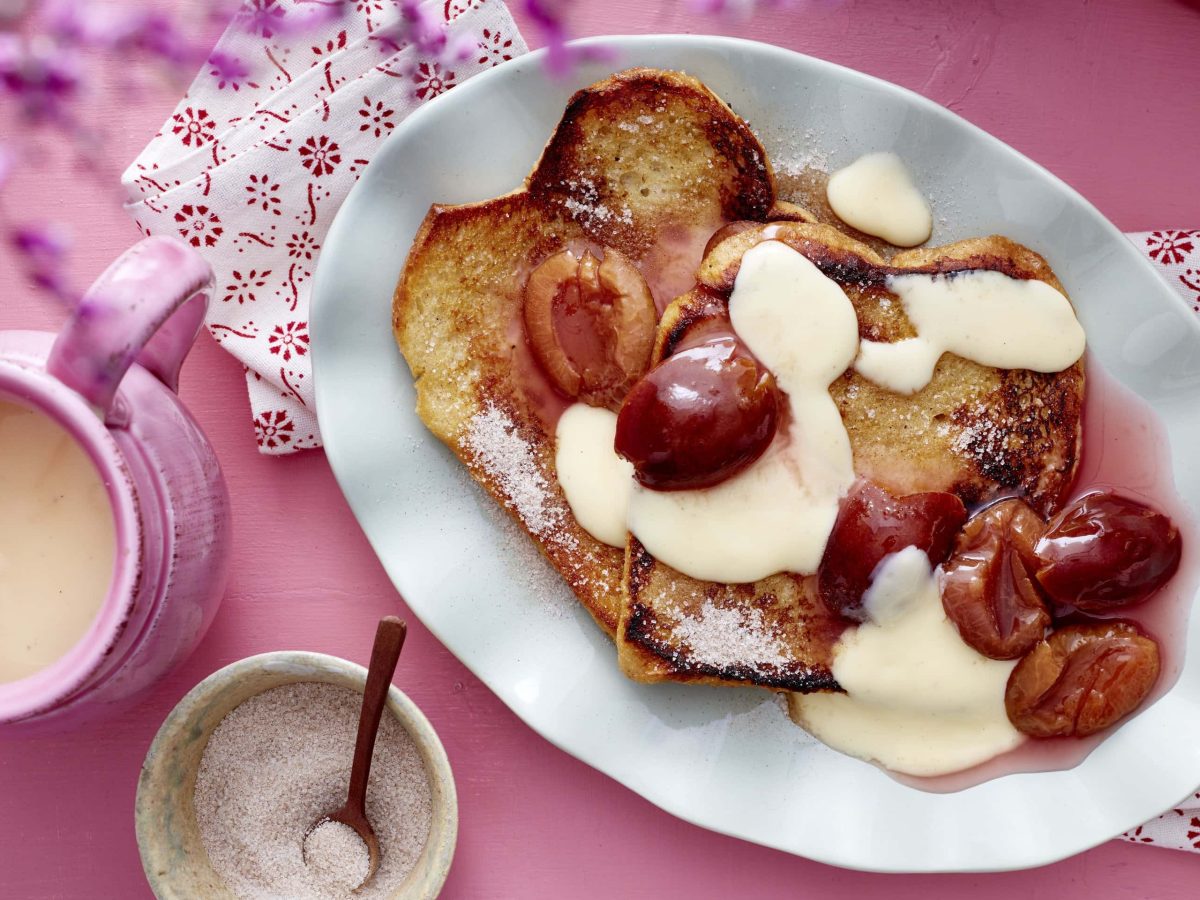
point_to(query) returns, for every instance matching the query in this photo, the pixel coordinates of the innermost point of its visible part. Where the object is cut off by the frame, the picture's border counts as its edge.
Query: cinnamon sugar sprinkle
(982, 437)
(517, 475)
(596, 212)
(508, 459)
(725, 638)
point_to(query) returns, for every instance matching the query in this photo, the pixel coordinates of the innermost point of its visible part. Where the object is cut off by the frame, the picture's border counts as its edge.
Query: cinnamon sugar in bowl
(255, 752)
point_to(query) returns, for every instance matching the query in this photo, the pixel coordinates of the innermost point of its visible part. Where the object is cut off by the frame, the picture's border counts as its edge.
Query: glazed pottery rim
(434, 760)
(37, 390)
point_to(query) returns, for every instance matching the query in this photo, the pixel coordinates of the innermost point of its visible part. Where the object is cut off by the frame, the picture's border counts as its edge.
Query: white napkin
(1176, 256)
(263, 148)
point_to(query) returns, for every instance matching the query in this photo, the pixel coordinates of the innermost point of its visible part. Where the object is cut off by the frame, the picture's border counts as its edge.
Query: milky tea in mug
(57, 541)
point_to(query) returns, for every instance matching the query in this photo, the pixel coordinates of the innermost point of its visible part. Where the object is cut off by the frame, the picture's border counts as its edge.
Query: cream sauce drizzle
(981, 315)
(777, 514)
(595, 480)
(876, 195)
(918, 700)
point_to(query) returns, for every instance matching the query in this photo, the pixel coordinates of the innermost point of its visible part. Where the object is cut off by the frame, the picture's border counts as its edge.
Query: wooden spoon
(389, 638)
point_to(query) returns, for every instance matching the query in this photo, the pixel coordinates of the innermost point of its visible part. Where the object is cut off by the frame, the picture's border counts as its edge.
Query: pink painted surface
(1097, 91)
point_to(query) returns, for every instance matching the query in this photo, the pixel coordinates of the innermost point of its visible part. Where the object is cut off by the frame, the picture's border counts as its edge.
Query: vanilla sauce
(596, 481)
(918, 700)
(776, 515)
(876, 195)
(57, 542)
(980, 315)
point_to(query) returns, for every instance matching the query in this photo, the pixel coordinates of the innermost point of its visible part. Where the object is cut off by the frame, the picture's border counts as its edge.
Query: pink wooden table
(1100, 91)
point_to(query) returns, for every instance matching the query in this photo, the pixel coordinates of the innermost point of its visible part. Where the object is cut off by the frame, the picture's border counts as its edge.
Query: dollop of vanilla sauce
(596, 481)
(876, 195)
(981, 315)
(918, 700)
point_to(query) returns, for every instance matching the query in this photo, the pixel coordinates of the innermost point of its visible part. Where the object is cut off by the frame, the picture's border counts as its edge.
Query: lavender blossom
(269, 18)
(229, 70)
(561, 57)
(421, 27)
(154, 34)
(37, 74)
(44, 248)
(41, 66)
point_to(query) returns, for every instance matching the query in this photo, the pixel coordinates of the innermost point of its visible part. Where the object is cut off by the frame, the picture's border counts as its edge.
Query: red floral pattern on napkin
(1177, 254)
(252, 166)
(1177, 829)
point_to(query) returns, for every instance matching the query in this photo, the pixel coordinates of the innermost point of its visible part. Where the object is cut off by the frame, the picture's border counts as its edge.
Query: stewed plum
(871, 524)
(590, 324)
(988, 586)
(1082, 679)
(1105, 551)
(699, 417)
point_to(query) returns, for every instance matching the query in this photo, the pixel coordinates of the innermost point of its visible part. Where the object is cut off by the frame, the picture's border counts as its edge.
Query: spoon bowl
(357, 821)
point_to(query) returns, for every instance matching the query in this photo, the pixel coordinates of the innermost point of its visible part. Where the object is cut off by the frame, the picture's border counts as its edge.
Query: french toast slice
(648, 162)
(976, 431)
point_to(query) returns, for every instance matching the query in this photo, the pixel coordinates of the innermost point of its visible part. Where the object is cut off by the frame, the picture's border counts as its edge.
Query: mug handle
(148, 307)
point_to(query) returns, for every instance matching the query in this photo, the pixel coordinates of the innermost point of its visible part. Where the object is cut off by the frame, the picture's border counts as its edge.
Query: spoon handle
(389, 638)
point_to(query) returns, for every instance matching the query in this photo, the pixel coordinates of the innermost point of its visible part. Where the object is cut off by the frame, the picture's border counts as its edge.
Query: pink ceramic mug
(109, 379)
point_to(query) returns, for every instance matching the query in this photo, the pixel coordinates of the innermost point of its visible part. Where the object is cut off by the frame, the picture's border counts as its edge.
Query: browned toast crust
(651, 163)
(613, 117)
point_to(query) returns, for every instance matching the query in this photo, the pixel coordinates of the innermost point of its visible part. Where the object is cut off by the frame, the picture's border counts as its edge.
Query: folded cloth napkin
(254, 162)
(270, 137)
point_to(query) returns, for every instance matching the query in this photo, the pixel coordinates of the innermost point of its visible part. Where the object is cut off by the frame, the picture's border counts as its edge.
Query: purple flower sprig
(227, 69)
(269, 19)
(420, 27)
(152, 34)
(550, 19)
(561, 57)
(49, 51)
(43, 248)
(38, 76)
(46, 59)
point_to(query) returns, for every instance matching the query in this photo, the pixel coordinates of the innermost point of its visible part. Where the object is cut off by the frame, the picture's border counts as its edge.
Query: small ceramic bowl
(168, 837)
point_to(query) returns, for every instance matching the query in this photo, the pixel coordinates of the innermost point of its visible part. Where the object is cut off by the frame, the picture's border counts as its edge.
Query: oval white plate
(727, 759)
